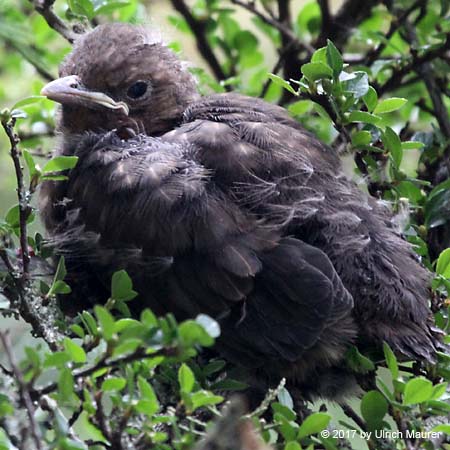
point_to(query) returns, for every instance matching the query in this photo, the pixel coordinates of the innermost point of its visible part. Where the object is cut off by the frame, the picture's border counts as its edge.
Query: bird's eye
(137, 89)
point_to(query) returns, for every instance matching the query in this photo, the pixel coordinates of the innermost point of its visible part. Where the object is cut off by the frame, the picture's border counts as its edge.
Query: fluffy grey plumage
(225, 205)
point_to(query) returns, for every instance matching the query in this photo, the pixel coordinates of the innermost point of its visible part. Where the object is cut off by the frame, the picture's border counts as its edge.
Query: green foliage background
(372, 81)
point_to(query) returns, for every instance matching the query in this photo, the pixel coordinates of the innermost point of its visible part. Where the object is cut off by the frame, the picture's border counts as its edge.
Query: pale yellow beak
(70, 91)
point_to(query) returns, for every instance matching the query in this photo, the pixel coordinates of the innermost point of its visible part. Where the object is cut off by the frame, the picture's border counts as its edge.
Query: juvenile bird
(225, 205)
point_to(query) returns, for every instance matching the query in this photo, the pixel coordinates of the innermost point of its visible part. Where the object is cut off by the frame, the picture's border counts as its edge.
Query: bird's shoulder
(230, 130)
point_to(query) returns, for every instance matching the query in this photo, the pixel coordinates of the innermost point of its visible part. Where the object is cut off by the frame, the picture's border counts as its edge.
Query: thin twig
(440, 112)
(341, 25)
(45, 9)
(23, 390)
(326, 16)
(7, 262)
(396, 23)
(104, 363)
(282, 28)
(278, 65)
(22, 278)
(402, 425)
(413, 65)
(23, 136)
(24, 206)
(198, 27)
(349, 411)
(39, 66)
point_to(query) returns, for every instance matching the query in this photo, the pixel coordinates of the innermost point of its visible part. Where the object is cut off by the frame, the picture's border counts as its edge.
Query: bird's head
(120, 74)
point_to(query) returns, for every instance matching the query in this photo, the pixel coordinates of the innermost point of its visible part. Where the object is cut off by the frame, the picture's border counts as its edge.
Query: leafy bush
(372, 81)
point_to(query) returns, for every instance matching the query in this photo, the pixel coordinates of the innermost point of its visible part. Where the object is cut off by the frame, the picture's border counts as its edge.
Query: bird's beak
(70, 91)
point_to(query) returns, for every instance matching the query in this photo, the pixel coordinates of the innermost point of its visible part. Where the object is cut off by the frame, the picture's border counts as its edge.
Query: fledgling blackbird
(224, 205)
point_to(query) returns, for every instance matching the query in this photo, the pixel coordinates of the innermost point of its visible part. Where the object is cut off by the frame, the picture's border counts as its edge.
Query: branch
(24, 392)
(284, 52)
(28, 56)
(23, 136)
(45, 9)
(439, 108)
(282, 28)
(7, 262)
(104, 363)
(326, 15)
(28, 303)
(396, 23)
(413, 66)
(23, 197)
(289, 54)
(199, 29)
(341, 26)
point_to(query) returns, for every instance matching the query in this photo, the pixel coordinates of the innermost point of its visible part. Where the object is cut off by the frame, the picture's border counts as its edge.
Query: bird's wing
(276, 297)
(285, 176)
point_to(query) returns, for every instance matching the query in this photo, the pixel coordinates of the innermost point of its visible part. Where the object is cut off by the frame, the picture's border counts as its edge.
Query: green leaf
(320, 56)
(443, 428)
(186, 378)
(65, 385)
(364, 117)
(82, 7)
(389, 105)
(371, 99)
(284, 397)
(417, 390)
(373, 409)
(105, 321)
(281, 82)
(89, 323)
(56, 359)
(61, 271)
(392, 142)
(313, 424)
(149, 319)
(77, 330)
(107, 6)
(439, 390)
(191, 333)
(437, 206)
(54, 178)
(33, 168)
(148, 404)
(361, 138)
(59, 286)
(210, 325)
(122, 286)
(357, 361)
(308, 19)
(300, 107)
(69, 444)
(113, 384)
(443, 263)
(60, 163)
(229, 385)
(358, 85)
(412, 145)
(27, 101)
(76, 353)
(292, 445)
(213, 367)
(12, 217)
(391, 360)
(204, 398)
(316, 71)
(334, 59)
(285, 411)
